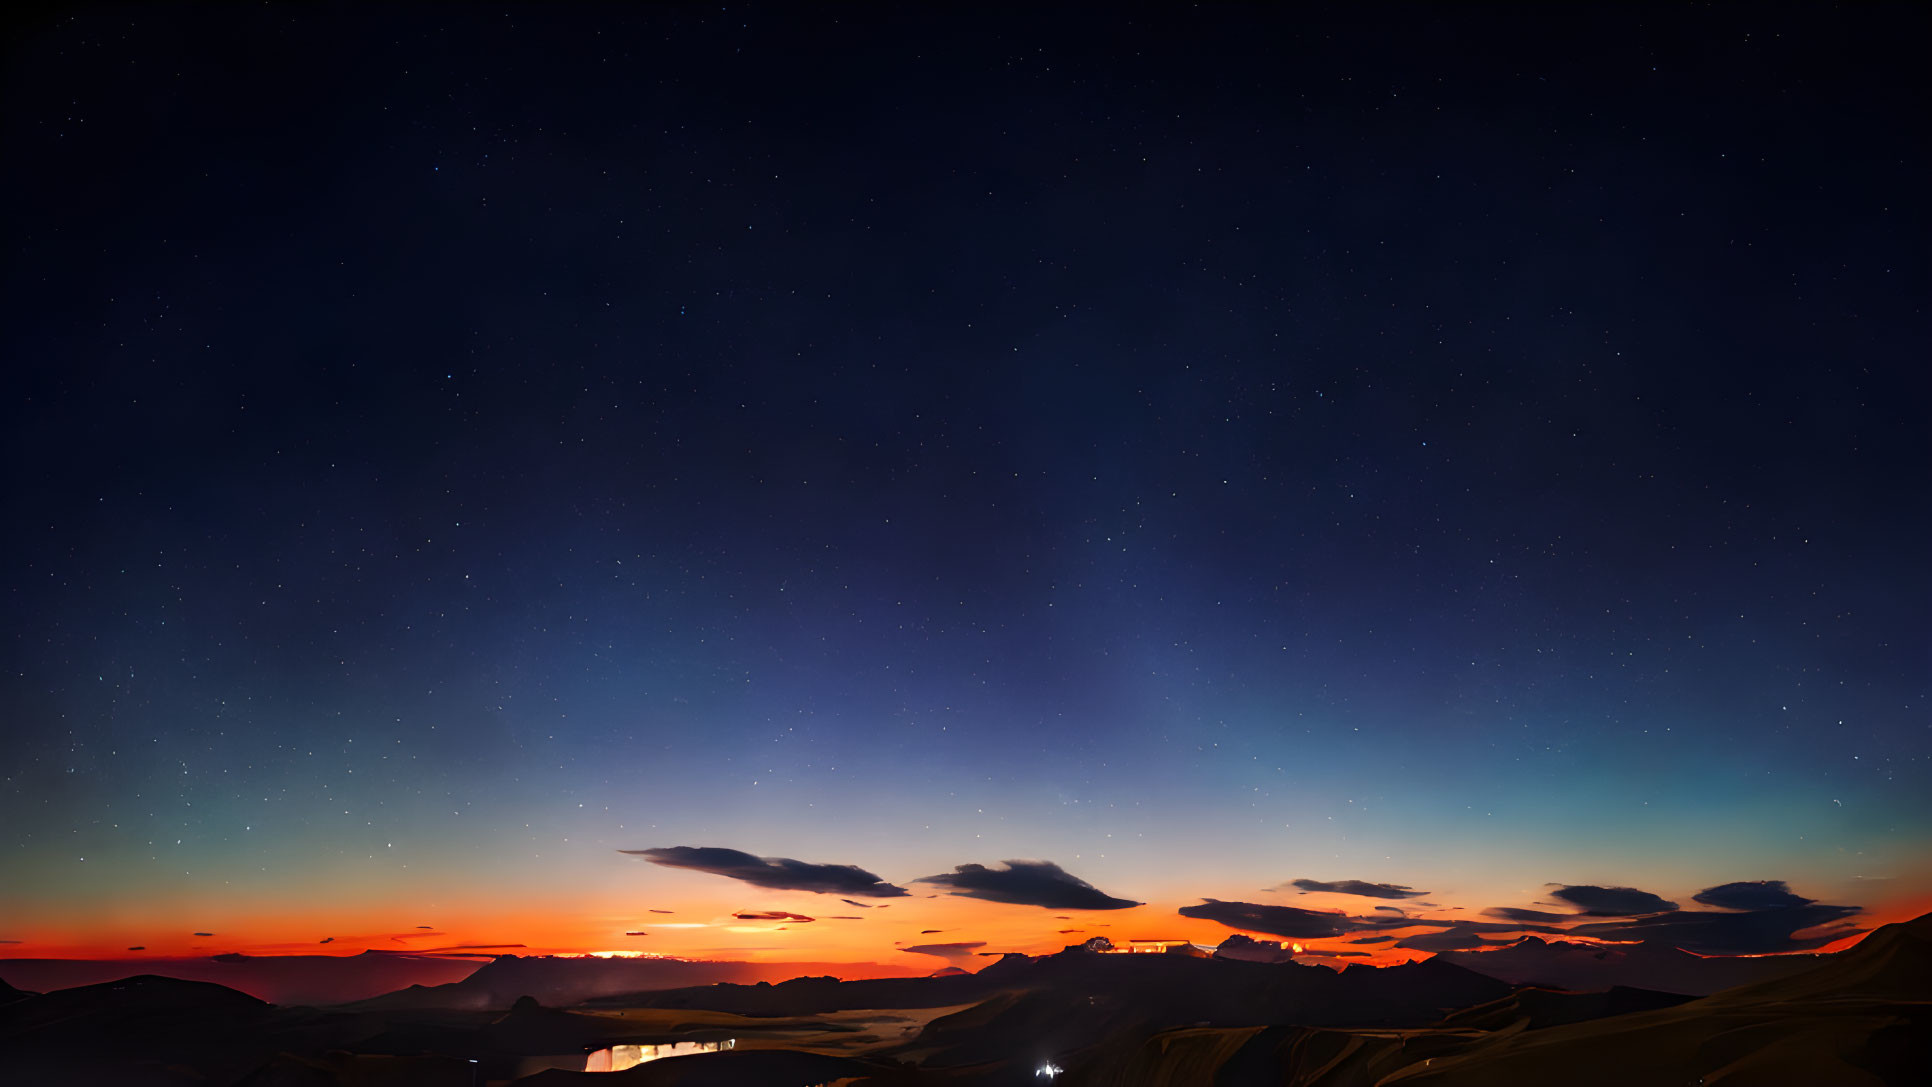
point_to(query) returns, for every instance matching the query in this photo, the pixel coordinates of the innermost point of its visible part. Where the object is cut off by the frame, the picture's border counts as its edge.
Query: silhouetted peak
(525, 1003)
(1917, 930)
(1010, 963)
(1080, 950)
(154, 992)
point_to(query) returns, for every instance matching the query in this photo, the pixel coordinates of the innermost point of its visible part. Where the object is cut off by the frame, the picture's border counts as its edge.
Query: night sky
(1477, 455)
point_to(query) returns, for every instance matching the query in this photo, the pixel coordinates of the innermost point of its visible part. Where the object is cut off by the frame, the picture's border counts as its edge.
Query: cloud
(930, 931)
(835, 917)
(1393, 909)
(1358, 887)
(136, 947)
(1027, 883)
(1371, 939)
(204, 934)
(771, 915)
(472, 949)
(1478, 926)
(637, 934)
(1290, 921)
(1613, 901)
(861, 905)
(946, 951)
(772, 873)
(1753, 932)
(660, 911)
(1512, 913)
(1451, 934)
(1763, 894)
(326, 940)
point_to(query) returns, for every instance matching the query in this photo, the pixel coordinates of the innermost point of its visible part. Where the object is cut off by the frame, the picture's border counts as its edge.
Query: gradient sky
(1202, 450)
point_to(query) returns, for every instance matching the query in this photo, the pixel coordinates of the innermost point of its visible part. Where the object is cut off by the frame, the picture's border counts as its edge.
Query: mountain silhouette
(1561, 964)
(1862, 1016)
(9, 994)
(132, 1031)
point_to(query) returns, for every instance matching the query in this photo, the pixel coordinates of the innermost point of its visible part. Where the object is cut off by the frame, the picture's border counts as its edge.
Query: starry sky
(1477, 455)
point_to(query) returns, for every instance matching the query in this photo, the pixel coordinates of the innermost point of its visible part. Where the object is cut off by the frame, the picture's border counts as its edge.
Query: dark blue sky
(1414, 442)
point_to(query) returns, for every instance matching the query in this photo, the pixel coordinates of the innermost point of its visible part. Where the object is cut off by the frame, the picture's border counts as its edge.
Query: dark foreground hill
(137, 1030)
(1535, 1008)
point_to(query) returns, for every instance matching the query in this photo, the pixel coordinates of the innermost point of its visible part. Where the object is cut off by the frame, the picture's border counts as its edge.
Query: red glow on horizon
(703, 931)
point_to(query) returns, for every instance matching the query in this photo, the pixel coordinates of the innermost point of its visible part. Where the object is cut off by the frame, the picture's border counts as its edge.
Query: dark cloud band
(1512, 913)
(1359, 887)
(1613, 901)
(1289, 921)
(1763, 894)
(946, 951)
(1027, 883)
(772, 873)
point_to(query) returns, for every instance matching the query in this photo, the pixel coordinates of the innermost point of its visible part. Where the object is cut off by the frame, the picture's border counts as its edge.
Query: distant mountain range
(1863, 1016)
(1564, 965)
(563, 981)
(281, 979)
